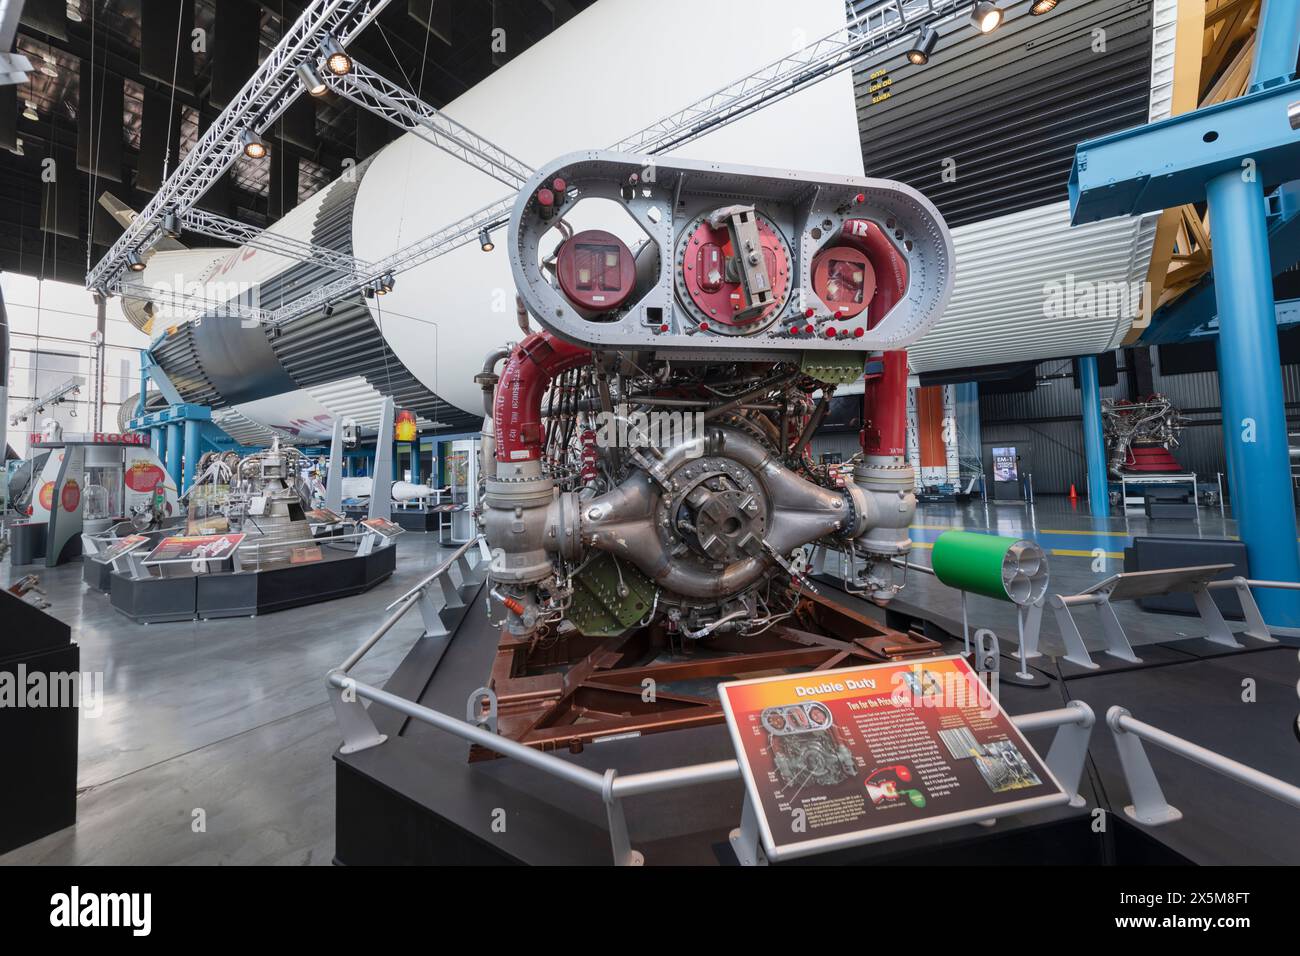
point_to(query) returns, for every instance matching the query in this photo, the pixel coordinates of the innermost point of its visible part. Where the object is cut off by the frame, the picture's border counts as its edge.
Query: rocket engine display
(646, 454)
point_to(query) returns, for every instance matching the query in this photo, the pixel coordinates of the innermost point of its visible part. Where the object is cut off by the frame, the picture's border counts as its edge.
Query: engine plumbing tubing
(517, 409)
(884, 398)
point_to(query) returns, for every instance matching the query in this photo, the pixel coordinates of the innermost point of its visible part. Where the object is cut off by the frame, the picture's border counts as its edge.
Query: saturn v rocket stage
(571, 90)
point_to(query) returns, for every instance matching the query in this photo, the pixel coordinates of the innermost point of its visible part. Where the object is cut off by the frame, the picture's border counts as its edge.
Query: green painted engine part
(1007, 569)
(597, 609)
(837, 368)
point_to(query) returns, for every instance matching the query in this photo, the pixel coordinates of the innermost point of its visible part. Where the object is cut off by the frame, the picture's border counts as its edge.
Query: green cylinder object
(1007, 569)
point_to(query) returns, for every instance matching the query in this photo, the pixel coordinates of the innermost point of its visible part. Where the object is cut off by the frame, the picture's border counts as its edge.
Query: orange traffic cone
(1074, 495)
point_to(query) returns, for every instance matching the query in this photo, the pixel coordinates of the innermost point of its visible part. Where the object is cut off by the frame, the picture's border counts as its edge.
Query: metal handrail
(1149, 804)
(403, 605)
(1074, 723)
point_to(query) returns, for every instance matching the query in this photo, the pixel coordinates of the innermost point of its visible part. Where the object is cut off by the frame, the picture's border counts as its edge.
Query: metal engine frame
(646, 470)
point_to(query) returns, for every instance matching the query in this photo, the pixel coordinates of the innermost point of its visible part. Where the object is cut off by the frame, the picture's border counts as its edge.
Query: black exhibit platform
(98, 574)
(417, 800)
(340, 572)
(418, 519)
(38, 738)
(27, 542)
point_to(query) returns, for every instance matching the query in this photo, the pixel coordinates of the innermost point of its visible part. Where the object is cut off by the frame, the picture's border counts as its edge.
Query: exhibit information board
(194, 547)
(834, 759)
(120, 547)
(383, 527)
(324, 516)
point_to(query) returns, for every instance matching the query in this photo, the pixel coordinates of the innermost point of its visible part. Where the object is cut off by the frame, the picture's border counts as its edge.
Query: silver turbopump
(749, 294)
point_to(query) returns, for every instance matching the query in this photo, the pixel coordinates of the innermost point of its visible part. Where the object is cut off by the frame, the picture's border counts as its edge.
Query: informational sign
(194, 547)
(833, 759)
(405, 426)
(120, 547)
(306, 555)
(1005, 466)
(383, 527)
(324, 516)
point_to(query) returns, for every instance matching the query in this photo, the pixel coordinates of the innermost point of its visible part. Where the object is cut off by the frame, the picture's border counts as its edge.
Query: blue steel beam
(1250, 389)
(1276, 41)
(1195, 309)
(1225, 155)
(1164, 165)
(1094, 441)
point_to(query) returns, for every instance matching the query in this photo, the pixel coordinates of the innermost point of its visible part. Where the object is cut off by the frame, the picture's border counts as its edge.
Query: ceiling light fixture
(986, 16)
(337, 60)
(926, 41)
(254, 146)
(311, 80)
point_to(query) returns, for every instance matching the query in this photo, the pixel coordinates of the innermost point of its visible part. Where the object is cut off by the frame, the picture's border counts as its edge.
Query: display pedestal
(38, 744)
(247, 593)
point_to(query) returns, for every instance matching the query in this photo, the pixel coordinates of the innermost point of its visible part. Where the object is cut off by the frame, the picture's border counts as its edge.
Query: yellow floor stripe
(1115, 534)
(1068, 552)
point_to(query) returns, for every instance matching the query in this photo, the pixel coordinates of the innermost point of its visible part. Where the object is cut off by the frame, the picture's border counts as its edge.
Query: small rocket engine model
(646, 456)
(268, 500)
(1141, 434)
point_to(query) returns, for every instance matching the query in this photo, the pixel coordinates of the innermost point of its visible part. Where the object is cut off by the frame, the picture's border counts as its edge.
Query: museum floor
(230, 716)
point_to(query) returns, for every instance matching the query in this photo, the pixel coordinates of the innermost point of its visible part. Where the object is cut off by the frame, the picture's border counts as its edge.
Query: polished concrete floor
(227, 716)
(230, 717)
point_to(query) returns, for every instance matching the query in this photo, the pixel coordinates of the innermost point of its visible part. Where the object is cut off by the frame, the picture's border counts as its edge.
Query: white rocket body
(611, 70)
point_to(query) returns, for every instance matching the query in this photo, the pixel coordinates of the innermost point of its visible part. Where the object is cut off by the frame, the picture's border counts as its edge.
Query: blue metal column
(191, 452)
(1094, 442)
(174, 452)
(1276, 42)
(158, 442)
(1250, 390)
(415, 461)
(144, 385)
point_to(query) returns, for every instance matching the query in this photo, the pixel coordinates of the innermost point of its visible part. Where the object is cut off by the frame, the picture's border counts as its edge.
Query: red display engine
(861, 268)
(596, 271)
(711, 275)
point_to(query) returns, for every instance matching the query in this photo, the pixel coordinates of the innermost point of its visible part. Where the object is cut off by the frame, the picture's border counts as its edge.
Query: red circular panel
(704, 273)
(596, 271)
(70, 497)
(844, 279)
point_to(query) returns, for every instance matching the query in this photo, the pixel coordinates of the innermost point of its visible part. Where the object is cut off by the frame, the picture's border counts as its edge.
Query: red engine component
(884, 400)
(704, 273)
(596, 271)
(844, 279)
(517, 407)
(1152, 459)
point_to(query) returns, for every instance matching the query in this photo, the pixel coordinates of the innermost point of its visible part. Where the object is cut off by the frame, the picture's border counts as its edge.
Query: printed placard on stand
(841, 758)
(195, 547)
(119, 547)
(383, 527)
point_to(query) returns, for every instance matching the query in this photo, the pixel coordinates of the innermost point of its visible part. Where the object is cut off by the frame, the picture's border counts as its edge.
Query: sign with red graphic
(70, 496)
(194, 547)
(833, 759)
(144, 476)
(120, 547)
(46, 496)
(117, 438)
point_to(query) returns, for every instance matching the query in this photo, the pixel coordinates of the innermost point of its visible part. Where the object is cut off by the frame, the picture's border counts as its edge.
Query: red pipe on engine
(517, 405)
(884, 409)
(884, 399)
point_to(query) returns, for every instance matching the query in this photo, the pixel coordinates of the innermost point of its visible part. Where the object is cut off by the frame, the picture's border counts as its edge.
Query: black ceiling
(129, 48)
